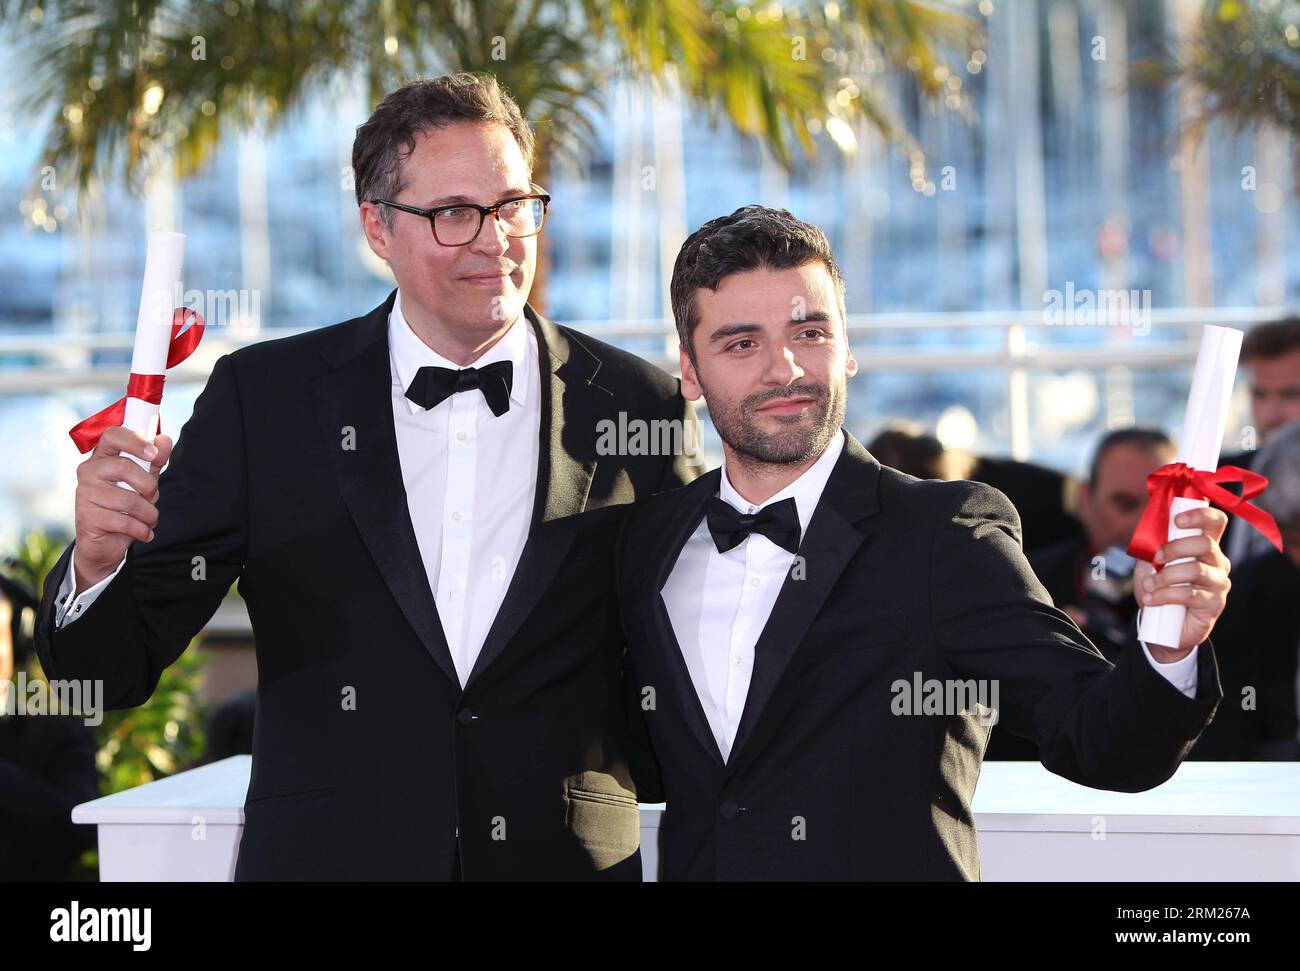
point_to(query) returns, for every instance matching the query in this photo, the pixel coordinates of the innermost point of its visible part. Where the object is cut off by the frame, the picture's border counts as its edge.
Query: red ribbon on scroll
(146, 387)
(1177, 479)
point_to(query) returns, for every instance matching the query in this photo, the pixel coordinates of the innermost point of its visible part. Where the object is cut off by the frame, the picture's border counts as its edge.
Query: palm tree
(130, 84)
(1243, 61)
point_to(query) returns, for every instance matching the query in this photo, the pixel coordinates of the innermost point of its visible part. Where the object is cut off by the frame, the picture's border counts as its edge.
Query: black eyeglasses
(459, 224)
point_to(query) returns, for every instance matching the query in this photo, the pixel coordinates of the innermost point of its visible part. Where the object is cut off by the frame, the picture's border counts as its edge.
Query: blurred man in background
(1270, 354)
(47, 763)
(1260, 628)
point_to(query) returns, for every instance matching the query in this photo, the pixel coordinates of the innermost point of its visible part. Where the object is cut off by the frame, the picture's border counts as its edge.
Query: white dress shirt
(719, 603)
(470, 479)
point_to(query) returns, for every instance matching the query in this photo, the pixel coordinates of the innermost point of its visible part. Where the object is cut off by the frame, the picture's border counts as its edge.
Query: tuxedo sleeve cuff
(1181, 673)
(69, 608)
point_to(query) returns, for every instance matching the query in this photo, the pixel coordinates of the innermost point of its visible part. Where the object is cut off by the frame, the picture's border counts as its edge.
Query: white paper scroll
(163, 263)
(1203, 427)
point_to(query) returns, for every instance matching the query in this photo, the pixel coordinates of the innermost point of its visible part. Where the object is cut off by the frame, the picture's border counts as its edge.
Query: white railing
(64, 360)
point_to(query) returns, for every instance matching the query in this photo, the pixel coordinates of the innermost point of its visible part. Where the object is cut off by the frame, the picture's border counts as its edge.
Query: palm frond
(128, 82)
(1243, 60)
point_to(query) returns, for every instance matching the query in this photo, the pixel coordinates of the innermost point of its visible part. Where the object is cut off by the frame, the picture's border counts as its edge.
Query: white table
(1212, 821)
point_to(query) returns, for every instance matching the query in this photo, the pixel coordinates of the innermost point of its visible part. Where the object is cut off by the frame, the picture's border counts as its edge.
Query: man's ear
(851, 365)
(372, 224)
(1085, 499)
(691, 389)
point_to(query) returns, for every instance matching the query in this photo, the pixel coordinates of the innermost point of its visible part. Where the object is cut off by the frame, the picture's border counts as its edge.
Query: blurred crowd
(1076, 533)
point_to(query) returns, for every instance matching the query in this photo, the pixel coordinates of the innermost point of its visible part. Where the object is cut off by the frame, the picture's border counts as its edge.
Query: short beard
(796, 445)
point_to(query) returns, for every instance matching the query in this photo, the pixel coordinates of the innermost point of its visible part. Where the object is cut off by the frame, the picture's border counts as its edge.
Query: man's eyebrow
(731, 330)
(749, 327)
(453, 200)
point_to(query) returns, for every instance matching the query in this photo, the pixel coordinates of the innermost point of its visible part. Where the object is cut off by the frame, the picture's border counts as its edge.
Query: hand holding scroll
(1200, 584)
(108, 517)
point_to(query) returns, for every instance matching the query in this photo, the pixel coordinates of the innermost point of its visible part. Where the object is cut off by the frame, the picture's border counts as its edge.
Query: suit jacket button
(729, 810)
(465, 716)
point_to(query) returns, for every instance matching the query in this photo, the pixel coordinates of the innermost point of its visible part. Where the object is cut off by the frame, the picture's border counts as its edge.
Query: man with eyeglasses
(421, 522)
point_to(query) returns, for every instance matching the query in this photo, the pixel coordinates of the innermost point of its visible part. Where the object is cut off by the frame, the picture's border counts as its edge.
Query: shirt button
(461, 436)
(455, 517)
(753, 581)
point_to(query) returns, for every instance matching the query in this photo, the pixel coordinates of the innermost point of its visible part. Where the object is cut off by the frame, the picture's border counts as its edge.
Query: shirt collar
(805, 490)
(409, 354)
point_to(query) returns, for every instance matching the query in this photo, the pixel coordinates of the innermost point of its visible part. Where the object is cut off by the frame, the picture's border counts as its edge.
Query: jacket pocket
(290, 794)
(606, 824)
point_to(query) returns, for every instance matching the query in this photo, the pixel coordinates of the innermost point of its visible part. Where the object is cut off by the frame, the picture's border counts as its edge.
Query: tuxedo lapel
(832, 539)
(355, 413)
(660, 559)
(572, 403)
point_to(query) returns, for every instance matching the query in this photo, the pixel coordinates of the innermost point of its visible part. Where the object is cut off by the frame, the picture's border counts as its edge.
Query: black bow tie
(779, 522)
(433, 385)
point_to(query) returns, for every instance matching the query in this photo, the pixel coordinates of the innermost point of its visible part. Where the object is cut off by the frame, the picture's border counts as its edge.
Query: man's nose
(782, 368)
(1267, 418)
(491, 239)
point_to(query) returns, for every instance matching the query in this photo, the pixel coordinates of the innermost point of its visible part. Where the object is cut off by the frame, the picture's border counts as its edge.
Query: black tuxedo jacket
(368, 757)
(1260, 636)
(901, 578)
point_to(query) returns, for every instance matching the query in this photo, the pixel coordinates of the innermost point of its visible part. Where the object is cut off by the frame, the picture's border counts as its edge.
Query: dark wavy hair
(751, 238)
(387, 138)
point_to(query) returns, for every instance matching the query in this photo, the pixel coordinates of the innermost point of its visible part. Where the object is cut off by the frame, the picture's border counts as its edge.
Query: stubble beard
(797, 441)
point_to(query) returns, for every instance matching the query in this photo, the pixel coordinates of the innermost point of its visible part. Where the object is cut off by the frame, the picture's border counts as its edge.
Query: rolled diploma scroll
(1203, 427)
(153, 328)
